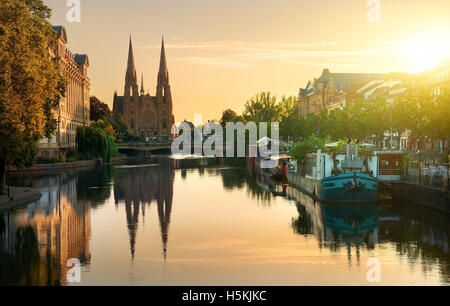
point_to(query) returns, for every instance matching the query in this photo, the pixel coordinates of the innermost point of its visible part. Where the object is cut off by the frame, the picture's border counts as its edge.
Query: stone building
(74, 108)
(146, 115)
(330, 88)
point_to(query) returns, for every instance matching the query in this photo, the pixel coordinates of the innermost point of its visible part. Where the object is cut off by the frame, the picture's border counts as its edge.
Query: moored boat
(340, 178)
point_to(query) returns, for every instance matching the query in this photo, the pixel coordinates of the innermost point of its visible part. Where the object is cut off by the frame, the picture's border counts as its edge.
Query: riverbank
(18, 196)
(423, 195)
(48, 168)
(416, 194)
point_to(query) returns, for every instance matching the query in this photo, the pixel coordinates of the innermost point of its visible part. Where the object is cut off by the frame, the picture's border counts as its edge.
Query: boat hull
(352, 187)
(349, 187)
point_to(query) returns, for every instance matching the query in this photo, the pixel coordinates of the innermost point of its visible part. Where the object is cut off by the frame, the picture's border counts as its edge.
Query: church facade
(146, 115)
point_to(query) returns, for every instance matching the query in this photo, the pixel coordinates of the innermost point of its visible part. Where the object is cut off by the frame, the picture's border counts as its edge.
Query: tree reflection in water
(36, 241)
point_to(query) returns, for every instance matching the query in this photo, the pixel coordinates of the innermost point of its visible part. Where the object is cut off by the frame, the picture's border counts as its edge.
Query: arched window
(132, 124)
(164, 124)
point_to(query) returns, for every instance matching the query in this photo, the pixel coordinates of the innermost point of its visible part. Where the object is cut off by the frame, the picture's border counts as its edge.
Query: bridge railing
(148, 140)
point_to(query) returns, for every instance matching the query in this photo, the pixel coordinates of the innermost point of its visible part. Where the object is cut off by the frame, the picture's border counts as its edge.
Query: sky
(220, 53)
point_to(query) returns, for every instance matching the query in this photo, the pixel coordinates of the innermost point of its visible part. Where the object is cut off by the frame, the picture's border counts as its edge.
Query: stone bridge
(143, 149)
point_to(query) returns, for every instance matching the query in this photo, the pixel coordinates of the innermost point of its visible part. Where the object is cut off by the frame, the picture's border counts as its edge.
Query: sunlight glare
(425, 51)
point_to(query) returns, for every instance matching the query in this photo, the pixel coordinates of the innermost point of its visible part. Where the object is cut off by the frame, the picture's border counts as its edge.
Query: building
(74, 108)
(331, 89)
(439, 78)
(146, 115)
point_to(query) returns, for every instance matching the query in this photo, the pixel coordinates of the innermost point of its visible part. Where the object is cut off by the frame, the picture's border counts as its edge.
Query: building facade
(146, 115)
(439, 78)
(330, 90)
(74, 108)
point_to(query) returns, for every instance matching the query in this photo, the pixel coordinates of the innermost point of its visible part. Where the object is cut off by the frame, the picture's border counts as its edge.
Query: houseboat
(340, 178)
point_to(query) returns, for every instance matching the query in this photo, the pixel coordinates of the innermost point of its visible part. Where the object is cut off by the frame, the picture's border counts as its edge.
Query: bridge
(143, 149)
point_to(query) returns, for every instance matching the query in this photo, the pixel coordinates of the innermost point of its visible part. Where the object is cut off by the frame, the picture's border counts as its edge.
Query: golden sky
(222, 52)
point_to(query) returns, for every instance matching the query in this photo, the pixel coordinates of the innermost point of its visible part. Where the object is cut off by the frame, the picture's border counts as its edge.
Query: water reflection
(417, 233)
(337, 226)
(254, 224)
(36, 242)
(137, 188)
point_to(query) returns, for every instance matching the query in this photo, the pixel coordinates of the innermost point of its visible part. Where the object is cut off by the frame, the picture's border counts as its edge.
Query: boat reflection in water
(337, 226)
(225, 222)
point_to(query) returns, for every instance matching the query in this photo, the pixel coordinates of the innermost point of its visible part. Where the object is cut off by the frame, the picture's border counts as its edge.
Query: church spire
(163, 74)
(131, 70)
(142, 84)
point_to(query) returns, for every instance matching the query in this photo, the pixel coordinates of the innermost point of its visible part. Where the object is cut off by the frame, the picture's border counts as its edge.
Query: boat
(344, 178)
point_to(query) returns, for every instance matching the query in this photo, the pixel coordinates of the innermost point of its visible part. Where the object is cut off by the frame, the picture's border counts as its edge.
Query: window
(164, 124)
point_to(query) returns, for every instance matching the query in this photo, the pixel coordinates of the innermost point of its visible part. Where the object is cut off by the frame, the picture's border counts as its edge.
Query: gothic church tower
(131, 93)
(164, 95)
(147, 116)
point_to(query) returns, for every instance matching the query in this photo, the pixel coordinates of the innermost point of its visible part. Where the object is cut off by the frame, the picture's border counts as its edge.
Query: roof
(118, 102)
(60, 33)
(82, 59)
(343, 80)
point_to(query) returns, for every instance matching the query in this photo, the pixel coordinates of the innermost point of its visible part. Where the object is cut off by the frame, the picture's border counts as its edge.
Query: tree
(262, 108)
(300, 149)
(289, 126)
(30, 82)
(95, 141)
(119, 124)
(230, 115)
(99, 110)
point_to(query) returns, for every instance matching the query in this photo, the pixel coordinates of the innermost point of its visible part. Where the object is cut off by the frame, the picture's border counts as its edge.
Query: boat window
(384, 163)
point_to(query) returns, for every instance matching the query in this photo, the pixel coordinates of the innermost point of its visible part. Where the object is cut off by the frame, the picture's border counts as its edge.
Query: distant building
(74, 108)
(146, 115)
(330, 90)
(439, 78)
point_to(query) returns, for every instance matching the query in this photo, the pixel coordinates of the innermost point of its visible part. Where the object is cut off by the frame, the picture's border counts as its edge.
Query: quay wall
(46, 168)
(423, 195)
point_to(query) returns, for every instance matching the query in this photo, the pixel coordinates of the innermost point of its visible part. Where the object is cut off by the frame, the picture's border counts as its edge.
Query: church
(146, 115)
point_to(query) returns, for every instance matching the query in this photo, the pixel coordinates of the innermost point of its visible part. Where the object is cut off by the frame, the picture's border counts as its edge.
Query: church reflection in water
(36, 242)
(137, 189)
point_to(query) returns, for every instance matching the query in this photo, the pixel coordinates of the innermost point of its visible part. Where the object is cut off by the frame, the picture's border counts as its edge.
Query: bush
(94, 142)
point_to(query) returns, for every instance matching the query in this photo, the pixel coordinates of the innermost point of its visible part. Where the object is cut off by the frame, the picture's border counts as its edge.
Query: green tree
(95, 142)
(262, 108)
(99, 110)
(230, 115)
(30, 82)
(119, 124)
(300, 149)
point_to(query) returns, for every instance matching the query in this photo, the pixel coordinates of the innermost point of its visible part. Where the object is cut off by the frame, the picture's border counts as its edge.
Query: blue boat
(349, 187)
(342, 178)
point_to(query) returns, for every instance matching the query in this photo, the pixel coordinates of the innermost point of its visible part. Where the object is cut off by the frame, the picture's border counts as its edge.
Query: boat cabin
(390, 165)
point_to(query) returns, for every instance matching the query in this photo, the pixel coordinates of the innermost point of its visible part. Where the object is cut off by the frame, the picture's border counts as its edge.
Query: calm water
(196, 222)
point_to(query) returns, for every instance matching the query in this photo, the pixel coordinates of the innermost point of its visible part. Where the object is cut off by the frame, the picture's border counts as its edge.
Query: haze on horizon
(221, 53)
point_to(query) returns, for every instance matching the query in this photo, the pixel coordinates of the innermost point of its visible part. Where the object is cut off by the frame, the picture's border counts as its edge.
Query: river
(168, 221)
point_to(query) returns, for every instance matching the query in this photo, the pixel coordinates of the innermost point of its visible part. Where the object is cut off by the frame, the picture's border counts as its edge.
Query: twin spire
(163, 74)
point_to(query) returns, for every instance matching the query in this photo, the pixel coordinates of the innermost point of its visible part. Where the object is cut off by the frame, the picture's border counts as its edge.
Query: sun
(424, 52)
